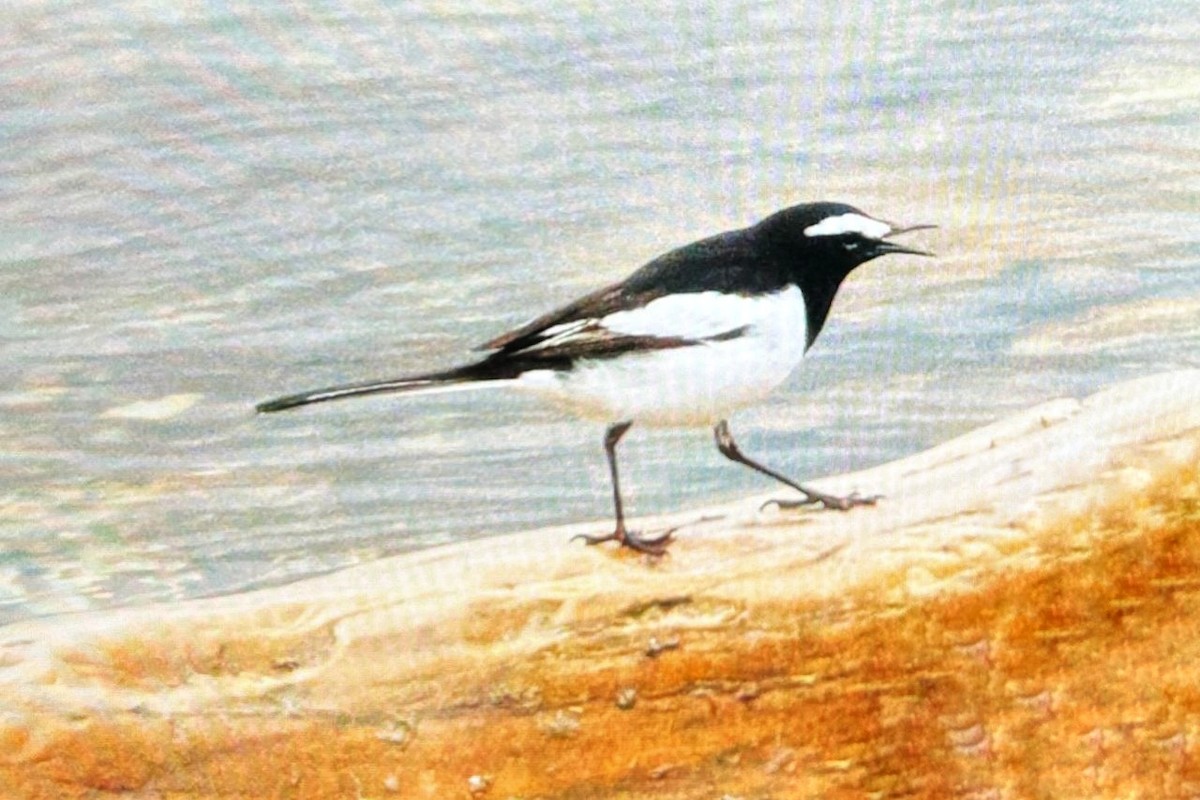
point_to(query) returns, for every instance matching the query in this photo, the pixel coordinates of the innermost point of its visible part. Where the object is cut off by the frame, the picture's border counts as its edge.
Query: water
(203, 207)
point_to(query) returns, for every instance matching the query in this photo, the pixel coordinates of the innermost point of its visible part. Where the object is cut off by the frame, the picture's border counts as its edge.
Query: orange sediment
(1059, 661)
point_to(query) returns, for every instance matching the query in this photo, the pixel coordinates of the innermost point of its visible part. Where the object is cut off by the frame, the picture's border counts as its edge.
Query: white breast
(694, 385)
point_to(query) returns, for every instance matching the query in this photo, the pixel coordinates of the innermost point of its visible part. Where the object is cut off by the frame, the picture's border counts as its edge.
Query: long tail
(460, 377)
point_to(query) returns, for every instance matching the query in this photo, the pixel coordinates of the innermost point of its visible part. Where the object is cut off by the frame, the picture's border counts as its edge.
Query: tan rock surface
(1018, 618)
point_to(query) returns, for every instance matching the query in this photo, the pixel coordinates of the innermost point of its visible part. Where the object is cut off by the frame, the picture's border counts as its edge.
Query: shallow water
(203, 208)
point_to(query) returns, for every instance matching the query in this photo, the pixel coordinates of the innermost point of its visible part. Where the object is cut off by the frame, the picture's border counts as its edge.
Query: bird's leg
(654, 546)
(730, 450)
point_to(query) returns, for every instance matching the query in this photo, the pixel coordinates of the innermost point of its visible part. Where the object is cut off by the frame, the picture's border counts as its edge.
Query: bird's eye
(851, 245)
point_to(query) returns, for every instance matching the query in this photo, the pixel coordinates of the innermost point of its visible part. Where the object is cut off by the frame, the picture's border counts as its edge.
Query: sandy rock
(1018, 617)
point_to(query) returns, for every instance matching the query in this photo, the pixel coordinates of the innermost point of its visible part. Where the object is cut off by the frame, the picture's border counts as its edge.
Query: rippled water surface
(203, 207)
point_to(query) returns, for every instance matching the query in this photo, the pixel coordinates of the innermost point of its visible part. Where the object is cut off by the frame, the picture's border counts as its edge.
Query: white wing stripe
(565, 330)
(690, 316)
(696, 316)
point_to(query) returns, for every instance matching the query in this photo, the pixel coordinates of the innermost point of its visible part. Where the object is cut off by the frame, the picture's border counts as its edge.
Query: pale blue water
(232, 204)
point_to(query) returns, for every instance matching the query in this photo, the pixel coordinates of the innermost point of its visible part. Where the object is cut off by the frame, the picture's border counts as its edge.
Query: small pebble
(561, 725)
(654, 648)
(747, 692)
(396, 733)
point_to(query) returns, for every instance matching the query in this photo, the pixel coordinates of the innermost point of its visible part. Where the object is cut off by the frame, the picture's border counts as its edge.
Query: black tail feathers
(415, 383)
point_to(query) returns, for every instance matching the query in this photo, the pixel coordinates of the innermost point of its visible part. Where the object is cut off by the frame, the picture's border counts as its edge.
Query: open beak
(885, 247)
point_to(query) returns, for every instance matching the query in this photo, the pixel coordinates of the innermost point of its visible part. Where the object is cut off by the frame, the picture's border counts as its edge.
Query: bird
(686, 339)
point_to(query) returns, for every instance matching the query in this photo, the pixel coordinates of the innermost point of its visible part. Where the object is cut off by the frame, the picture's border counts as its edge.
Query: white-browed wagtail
(691, 336)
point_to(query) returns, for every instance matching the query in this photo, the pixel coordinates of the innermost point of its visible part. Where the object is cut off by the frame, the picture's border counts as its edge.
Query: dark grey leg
(730, 450)
(654, 546)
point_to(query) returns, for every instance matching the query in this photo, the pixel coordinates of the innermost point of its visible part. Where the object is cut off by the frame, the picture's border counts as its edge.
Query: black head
(821, 243)
(835, 236)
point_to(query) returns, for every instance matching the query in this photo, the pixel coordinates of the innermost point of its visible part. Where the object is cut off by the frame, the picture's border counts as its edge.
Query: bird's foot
(828, 501)
(654, 546)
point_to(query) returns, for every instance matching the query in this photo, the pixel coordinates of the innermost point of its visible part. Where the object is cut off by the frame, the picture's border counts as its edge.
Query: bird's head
(836, 236)
(821, 243)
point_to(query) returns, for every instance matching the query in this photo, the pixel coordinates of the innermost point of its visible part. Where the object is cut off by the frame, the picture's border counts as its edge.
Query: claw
(827, 501)
(654, 546)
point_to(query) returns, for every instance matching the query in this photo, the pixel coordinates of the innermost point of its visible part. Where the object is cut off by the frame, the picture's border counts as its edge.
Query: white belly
(694, 385)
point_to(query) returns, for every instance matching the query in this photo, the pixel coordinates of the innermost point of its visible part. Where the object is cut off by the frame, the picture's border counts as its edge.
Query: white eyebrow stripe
(849, 223)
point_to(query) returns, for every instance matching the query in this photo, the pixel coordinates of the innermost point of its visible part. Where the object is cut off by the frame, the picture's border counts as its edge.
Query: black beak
(885, 247)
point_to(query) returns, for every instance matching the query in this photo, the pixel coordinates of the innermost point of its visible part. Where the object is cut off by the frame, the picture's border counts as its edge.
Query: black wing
(719, 263)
